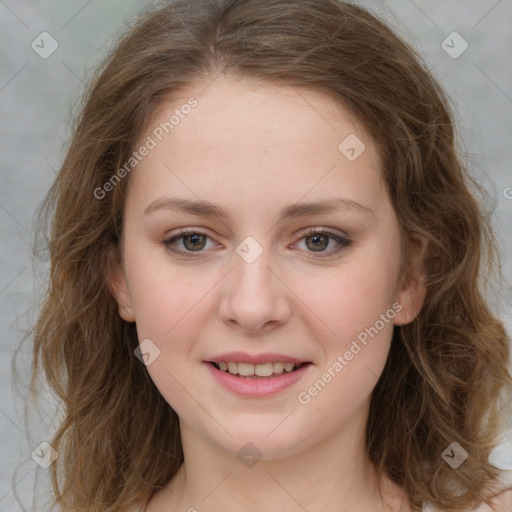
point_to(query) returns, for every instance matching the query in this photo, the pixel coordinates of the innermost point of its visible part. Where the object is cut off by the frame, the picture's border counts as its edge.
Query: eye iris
(195, 242)
(195, 245)
(316, 237)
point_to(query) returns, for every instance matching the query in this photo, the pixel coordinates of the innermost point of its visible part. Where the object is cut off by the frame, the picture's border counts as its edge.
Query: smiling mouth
(256, 371)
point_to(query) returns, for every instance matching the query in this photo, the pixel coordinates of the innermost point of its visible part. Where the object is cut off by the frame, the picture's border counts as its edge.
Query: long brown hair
(119, 441)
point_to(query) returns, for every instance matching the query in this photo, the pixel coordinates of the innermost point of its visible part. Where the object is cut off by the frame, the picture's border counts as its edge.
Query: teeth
(278, 367)
(264, 370)
(255, 370)
(246, 369)
(288, 367)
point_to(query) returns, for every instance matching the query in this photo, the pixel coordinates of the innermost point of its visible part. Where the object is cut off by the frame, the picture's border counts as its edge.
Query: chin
(265, 444)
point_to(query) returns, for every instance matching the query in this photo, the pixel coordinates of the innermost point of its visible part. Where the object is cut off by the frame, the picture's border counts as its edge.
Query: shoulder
(497, 501)
(500, 502)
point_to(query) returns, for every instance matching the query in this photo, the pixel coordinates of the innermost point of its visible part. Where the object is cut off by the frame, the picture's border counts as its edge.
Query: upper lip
(244, 357)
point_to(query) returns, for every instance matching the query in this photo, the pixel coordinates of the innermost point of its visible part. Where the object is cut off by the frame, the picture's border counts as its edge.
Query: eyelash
(342, 241)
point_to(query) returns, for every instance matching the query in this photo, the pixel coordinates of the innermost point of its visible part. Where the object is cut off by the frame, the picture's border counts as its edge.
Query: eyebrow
(290, 211)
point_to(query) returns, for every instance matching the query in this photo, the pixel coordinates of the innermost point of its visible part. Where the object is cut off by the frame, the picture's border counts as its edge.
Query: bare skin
(254, 149)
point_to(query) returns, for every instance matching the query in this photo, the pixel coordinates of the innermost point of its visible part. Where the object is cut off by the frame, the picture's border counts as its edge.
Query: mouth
(261, 371)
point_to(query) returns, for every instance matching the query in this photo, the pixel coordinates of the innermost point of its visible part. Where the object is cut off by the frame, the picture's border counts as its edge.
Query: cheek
(356, 302)
(358, 307)
(352, 297)
(172, 305)
(164, 295)
(170, 310)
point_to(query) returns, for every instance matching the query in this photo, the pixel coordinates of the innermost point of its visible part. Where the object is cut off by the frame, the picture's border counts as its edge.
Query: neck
(332, 474)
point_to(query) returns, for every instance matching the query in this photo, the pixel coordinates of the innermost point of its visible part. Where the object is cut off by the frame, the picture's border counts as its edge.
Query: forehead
(248, 140)
(234, 110)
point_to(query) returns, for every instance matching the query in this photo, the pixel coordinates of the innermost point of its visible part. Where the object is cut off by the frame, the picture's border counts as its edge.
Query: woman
(266, 275)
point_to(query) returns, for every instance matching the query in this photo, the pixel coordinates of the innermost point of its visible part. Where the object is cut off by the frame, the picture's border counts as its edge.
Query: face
(291, 253)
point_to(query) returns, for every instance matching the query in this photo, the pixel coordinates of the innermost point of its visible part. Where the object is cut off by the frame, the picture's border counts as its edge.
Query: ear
(118, 285)
(411, 287)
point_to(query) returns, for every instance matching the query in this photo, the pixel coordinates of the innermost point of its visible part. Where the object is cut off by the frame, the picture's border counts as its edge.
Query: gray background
(36, 100)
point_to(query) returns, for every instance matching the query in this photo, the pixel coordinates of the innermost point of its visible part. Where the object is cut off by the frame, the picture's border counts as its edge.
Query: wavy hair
(446, 373)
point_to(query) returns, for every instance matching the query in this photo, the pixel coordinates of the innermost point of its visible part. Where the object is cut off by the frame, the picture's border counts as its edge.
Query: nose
(254, 298)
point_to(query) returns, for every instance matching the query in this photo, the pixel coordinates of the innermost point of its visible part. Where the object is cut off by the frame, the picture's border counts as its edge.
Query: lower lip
(257, 388)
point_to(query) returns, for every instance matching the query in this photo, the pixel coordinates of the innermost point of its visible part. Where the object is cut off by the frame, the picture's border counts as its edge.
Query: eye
(193, 241)
(318, 239)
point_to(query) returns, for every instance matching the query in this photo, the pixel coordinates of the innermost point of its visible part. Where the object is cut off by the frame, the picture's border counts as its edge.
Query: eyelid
(343, 240)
